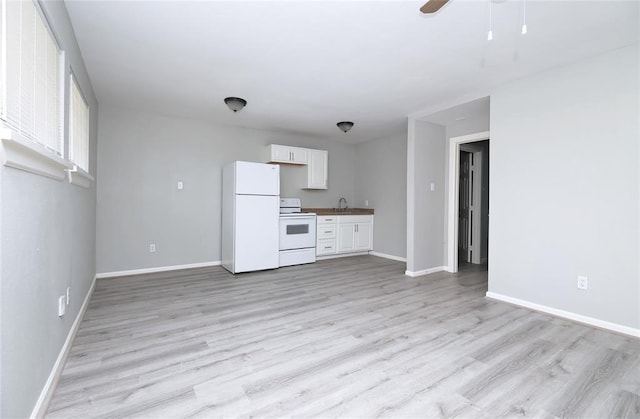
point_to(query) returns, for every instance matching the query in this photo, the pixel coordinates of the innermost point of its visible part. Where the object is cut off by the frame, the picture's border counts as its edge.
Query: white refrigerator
(250, 216)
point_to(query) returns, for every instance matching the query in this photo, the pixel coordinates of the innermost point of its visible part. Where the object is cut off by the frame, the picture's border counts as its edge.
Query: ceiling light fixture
(490, 34)
(345, 125)
(524, 17)
(235, 103)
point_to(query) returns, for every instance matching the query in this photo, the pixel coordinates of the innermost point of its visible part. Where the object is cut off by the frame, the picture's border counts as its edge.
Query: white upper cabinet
(317, 169)
(317, 162)
(287, 154)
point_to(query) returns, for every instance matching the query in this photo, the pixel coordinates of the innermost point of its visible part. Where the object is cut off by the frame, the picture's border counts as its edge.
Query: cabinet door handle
(356, 228)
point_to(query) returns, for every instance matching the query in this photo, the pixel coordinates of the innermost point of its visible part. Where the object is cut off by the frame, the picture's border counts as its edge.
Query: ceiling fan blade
(433, 6)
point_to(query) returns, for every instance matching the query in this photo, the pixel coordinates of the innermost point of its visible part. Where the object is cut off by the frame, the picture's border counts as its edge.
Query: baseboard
(425, 271)
(40, 409)
(158, 269)
(341, 255)
(614, 327)
(386, 256)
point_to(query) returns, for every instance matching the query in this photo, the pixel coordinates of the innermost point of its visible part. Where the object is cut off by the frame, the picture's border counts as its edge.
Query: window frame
(24, 152)
(80, 162)
(78, 175)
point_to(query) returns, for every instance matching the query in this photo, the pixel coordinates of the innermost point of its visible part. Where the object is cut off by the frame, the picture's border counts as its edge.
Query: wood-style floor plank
(351, 337)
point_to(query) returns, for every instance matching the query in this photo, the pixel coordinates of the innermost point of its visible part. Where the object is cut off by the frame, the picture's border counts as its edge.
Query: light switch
(432, 186)
(180, 185)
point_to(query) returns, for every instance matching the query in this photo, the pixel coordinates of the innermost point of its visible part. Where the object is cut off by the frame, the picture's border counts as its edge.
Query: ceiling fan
(432, 6)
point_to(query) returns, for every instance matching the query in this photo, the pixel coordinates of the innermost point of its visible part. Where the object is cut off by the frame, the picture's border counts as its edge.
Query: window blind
(31, 75)
(78, 127)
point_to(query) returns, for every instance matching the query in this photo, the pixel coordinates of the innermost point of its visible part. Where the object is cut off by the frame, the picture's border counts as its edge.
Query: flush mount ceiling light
(235, 103)
(345, 125)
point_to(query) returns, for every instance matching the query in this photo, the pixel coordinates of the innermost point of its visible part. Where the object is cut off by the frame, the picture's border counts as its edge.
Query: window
(78, 127)
(30, 75)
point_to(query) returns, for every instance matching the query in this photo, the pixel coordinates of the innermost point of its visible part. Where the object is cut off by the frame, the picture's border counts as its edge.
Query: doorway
(473, 204)
(465, 207)
(468, 210)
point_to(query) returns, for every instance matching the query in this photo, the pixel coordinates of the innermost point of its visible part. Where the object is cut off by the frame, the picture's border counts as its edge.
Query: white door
(464, 202)
(257, 178)
(346, 237)
(298, 155)
(475, 208)
(256, 233)
(280, 153)
(317, 169)
(363, 236)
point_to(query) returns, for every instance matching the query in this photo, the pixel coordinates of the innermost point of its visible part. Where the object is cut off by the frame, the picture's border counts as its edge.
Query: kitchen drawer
(326, 247)
(327, 219)
(326, 231)
(355, 219)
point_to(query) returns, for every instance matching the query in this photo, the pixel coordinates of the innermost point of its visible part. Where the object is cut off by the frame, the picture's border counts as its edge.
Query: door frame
(453, 191)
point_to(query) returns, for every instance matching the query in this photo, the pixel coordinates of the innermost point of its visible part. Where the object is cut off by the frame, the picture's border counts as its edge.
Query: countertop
(336, 211)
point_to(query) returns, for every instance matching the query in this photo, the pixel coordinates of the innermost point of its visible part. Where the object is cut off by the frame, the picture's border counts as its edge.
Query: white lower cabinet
(326, 234)
(346, 237)
(355, 233)
(364, 236)
(344, 234)
(326, 247)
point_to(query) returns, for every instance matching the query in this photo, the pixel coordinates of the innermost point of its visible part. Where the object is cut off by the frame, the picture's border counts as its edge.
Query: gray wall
(48, 243)
(425, 208)
(141, 158)
(564, 196)
(381, 178)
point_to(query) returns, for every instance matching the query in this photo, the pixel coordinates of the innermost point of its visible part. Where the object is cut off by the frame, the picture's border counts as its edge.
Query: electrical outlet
(583, 283)
(68, 295)
(62, 305)
(366, 202)
(152, 248)
(180, 185)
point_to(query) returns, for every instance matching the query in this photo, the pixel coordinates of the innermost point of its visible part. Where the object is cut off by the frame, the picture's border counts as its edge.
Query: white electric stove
(297, 233)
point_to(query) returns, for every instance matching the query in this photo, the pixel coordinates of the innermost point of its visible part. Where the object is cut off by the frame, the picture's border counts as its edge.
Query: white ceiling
(302, 65)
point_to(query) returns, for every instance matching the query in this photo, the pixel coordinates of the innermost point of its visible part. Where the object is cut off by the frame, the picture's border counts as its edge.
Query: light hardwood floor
(351, 337)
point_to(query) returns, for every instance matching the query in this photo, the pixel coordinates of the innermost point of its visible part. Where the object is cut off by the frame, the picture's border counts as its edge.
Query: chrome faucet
(340, 204)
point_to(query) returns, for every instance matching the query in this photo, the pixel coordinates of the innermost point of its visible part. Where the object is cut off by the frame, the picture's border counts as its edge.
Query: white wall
(381, 178)
(425, 208)
(564, 196)
(47, 232)
(141, 158)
